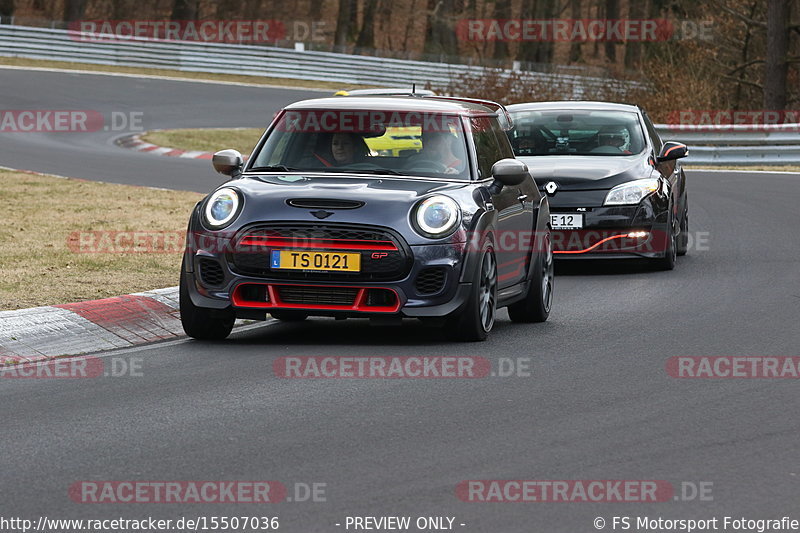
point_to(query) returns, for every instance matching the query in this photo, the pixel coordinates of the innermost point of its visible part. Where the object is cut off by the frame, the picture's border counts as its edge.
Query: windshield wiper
(281, 168)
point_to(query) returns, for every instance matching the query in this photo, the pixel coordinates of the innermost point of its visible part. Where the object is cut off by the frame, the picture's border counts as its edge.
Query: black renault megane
(615, 189)
(329, 218)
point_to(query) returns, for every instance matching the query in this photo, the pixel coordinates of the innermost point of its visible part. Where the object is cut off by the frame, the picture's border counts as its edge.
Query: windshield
(569, 132)
(377, 142)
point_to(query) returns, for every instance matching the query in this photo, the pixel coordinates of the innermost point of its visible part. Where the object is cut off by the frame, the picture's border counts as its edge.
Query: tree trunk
(366, 37)
(74, 10)
(537, 51)
(776, 66)
(6, 9)
(612, 13)
(633, 49)
(575, 47)
(344, 24)
(502, 10)
(441, 35)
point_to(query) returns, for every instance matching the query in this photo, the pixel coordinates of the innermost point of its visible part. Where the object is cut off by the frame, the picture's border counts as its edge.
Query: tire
(474, 321)
(289, 316)
(539, 297)
(683, 238)
(199, 322)
(671, 253)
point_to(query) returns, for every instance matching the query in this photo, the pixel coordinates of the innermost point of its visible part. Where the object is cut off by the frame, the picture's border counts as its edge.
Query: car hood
(584, 173)
(386, 201)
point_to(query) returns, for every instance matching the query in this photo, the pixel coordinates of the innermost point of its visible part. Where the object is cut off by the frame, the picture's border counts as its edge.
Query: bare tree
(612, 13)
(184, 10)
(776, 66)
(502, 10)
(345, 20)
(366, 36)
(6, 8)
(440, 37)
(575, 47)
(538, 51)
(74, 10)
(633, 49)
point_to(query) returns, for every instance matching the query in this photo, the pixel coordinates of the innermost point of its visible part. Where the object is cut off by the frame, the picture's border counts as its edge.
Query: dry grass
(206, 140)
(237, 78)
(39, 267)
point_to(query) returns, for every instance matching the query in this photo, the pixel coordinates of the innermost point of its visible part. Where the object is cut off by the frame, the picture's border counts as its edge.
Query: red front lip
(334, 244)
(275, 302)
(640, 237)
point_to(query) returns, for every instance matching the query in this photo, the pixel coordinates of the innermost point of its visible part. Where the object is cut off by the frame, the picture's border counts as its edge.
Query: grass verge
(206, 140)
(180, 74)
(44, 260)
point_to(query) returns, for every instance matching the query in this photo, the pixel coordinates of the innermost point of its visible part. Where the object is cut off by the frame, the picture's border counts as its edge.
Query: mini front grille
(384, 254)
(430, 280)
(317, 295)
(211, 272)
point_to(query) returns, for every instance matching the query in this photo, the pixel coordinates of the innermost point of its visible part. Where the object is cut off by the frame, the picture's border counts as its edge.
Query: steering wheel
(428, 165)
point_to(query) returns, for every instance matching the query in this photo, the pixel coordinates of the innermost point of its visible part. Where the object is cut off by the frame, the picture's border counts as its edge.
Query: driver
(342, 148)
(613, 137)
(437, 146)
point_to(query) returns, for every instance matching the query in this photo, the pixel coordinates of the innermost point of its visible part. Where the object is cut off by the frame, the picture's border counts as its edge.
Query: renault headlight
(631, 193)
(222, 207)
(436, 216)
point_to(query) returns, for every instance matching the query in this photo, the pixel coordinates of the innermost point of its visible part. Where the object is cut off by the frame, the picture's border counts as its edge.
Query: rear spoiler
(502, 113)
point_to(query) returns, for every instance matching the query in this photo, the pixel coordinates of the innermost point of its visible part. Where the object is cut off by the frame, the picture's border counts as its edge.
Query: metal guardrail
(739, 144)
(708, 145)
(256, 60)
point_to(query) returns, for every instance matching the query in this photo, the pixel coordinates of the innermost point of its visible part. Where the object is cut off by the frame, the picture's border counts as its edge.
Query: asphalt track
(598, 405)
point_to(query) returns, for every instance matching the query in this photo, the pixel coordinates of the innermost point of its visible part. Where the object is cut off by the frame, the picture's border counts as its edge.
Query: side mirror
(228, 162)
(672, 150)
(510, 171)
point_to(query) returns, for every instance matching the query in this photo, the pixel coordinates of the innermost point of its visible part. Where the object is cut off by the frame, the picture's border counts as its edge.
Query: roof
(572, 105)
(394, 103)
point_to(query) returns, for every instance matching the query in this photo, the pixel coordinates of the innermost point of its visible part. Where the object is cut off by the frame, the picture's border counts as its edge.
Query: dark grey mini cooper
(337, 214)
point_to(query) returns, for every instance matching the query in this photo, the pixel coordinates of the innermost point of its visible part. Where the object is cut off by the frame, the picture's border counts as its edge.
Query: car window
(337, 141)
(502, 138)
(487, 148)
(576, 132)
(654, 136)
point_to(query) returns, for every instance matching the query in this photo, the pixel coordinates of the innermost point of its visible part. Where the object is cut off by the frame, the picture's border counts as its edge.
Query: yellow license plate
(324, 261)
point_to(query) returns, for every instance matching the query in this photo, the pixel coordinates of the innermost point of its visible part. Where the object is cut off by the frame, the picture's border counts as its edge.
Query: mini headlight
(631, 193)
(436, 215)
(222, 207)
